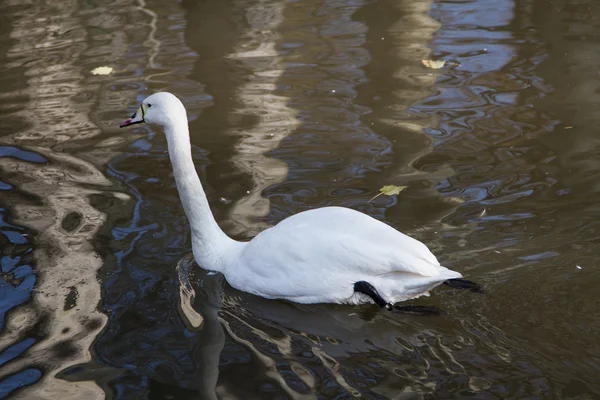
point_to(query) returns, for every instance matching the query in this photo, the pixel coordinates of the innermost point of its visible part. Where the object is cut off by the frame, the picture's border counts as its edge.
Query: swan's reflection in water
(200, 311)
(305, 351)
(208, 341)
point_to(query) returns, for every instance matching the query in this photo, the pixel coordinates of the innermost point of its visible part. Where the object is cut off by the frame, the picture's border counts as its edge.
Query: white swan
(325, 255)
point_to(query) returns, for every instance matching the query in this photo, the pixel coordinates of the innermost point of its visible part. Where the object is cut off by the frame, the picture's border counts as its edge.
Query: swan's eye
(149, 105)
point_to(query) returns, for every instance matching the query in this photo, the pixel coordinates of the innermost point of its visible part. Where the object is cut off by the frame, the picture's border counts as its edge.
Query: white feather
(317, 256)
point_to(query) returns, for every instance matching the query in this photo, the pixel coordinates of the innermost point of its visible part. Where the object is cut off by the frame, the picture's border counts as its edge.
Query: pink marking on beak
(125, 123)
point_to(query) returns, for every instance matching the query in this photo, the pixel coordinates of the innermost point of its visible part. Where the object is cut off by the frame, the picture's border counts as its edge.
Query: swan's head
(160, 109)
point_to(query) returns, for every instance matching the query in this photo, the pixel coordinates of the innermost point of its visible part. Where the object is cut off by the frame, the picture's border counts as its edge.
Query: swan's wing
(337, 241)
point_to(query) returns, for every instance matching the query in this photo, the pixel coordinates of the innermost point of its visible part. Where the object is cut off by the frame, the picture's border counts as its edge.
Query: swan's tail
(464, 284)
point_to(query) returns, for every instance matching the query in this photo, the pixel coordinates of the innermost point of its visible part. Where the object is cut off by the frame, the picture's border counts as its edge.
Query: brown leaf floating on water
(388, 190)
(433, 64)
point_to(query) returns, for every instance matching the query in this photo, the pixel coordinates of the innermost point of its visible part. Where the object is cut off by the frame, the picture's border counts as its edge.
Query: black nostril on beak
(133, 115)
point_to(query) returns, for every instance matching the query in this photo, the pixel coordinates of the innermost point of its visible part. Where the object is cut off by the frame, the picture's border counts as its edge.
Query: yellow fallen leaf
(433, 64)
(388, 190)
(568, 127)
(102, 71)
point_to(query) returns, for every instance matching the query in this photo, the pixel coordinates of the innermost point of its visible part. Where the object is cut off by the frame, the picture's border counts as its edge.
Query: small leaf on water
(391, 190)
(568, 127)
(433, 64)
(388, 190)
(102, 71)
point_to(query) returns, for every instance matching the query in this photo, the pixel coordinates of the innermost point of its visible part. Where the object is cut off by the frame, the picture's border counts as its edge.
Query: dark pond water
(294, 105)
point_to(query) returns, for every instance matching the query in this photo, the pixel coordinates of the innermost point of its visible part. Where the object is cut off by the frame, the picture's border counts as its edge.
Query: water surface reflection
(295, 105)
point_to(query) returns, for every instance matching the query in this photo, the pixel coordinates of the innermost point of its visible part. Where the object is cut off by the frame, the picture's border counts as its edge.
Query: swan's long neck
(210, 243)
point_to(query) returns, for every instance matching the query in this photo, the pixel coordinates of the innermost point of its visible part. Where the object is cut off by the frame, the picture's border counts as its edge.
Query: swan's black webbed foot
(464, 284)
(418, 310)
(368, 289)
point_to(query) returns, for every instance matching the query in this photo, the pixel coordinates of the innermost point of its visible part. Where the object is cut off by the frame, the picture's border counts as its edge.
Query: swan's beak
(136, 118)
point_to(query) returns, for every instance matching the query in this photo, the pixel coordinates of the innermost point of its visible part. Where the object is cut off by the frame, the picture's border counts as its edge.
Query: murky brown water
(294, 105)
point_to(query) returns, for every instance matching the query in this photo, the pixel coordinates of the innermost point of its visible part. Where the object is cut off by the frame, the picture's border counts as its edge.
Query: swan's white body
(314, 256)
